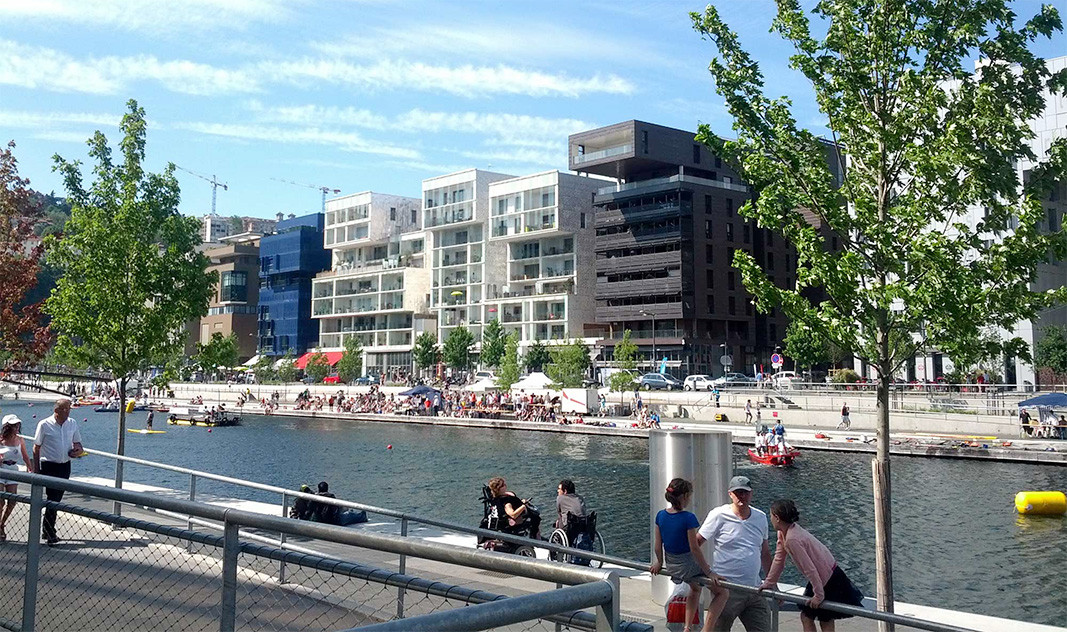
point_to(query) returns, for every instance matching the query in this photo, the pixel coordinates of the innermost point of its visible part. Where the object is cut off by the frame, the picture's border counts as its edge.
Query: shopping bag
(676, 609)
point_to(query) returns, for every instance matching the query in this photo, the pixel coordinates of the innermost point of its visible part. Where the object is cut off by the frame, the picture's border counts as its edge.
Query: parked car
(332, 379)
(366, 379)
(658, 381)
(785, 379)
(734, 379)
(698, 383)
(483, 375)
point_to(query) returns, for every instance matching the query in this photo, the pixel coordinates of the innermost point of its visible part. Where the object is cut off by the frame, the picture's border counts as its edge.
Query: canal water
(958, 542)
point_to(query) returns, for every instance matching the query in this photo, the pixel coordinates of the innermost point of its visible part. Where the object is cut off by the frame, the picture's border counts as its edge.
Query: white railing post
(192, 497)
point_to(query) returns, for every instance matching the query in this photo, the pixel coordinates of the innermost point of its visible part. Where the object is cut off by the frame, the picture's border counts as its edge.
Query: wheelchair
(579, 530)
(528, 528)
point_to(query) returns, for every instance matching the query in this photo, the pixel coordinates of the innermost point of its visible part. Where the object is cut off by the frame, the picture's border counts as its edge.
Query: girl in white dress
(11, 447)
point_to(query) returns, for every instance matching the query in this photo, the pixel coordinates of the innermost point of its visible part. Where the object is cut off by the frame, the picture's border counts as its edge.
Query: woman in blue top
(676, 535)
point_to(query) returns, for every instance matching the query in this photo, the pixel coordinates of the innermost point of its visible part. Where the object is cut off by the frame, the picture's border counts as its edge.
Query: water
(957, 540)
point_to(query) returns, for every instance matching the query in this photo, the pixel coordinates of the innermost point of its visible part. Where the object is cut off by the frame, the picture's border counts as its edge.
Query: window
(707, 230)
(709, 254)
(730, 285)
(583, 220)
(707, 204)
(234, 286)
(581, 150)
(718, 162)
(392, 213)
(748, 306)
(770, 260)
(711, 279)
(711, 303)
(696, 154)
(746, 231)
(729, 231)
(770, 239)
(729, 207)
(644, 141)
(414, 216)
(731, 306)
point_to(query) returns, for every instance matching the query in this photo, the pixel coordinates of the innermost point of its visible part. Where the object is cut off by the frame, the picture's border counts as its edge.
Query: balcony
(591, 156)
(638, 287)
(618, 313)
(515, 228)
(654, 183)
(641, 238)
(645, 213)
(443, 218)
(635, 263)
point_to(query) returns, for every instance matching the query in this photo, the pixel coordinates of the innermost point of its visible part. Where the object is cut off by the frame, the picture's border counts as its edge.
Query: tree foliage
(809, 349)
(493, 340)
(426, 352)
(570, 364)
(287, 368)
(1051, 350)
(264, 369)
(509, 372)
(132, 274)
(23, 333)
(457, 348)
(626, 361)
(220, 352)
(536, 357)
(350, 366)
(317, 367)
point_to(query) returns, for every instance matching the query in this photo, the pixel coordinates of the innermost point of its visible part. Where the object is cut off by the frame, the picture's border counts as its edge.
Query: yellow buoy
(1041, 503)
(130, 404)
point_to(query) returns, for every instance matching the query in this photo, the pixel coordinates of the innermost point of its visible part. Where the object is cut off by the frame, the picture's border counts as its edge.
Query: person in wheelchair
(574, 520)
(511, 514)
(568, 502)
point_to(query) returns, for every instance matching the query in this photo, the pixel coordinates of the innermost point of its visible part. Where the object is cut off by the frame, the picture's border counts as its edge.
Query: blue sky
(361, 95)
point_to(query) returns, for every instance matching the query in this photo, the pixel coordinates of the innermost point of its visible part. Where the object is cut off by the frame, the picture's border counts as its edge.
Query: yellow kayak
(145, 431)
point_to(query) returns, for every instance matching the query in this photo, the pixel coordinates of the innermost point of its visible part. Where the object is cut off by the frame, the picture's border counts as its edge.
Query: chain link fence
(151, 571)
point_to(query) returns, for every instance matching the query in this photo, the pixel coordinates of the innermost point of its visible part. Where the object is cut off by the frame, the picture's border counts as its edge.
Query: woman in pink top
(826, 582)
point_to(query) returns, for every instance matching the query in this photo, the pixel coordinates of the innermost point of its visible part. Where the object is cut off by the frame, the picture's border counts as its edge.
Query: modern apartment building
(214, 228)
(233, 307)
(378, 284)
(288, 261)
(455, 215)
(539, 272)
(666, 232)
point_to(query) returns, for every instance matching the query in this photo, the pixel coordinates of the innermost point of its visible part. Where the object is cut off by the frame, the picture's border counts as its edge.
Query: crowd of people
(1043, 426)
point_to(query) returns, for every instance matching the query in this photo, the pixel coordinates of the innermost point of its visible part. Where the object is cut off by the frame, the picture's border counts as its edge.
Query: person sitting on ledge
(301, 509)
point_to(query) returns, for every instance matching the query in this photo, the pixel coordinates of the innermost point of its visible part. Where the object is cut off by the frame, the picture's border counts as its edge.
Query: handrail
(273, 523)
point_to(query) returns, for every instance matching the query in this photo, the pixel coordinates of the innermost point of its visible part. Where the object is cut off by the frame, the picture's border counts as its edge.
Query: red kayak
(774, 458)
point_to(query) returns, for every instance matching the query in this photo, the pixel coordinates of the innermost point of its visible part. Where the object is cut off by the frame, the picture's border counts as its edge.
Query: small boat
(145, 431)
(771, 457)
(115, 409)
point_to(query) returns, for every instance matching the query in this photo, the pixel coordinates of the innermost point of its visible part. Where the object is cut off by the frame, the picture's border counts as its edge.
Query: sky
(277, 98)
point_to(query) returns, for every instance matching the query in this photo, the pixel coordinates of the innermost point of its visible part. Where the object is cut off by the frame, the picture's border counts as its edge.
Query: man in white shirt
(56, 441)
(738, 532)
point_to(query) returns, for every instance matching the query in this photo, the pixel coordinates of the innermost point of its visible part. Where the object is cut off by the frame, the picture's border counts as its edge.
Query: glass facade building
(288, 260)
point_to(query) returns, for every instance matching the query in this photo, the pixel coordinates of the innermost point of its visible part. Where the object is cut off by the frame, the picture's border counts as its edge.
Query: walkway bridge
(160, 559)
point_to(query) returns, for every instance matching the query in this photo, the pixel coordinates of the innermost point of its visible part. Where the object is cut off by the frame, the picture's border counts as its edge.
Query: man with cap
(56, 441)
(738, 532)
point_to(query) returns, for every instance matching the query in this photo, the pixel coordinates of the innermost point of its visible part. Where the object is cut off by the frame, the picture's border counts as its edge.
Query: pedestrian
(716, 393)
(1024, 421)
(678, 553)
(568, 502)
(748, 411)
(759, 412)
(56, 441)
(1062, 427)
(11, 449)
(846, 423)
(738, 532)
(148, 420)
(826, 580)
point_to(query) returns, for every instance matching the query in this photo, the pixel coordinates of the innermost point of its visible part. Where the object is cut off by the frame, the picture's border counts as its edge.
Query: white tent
(483, 385)
(536, 381)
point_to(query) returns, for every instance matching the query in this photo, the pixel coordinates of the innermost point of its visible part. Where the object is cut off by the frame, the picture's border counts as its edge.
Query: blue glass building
(288, 260)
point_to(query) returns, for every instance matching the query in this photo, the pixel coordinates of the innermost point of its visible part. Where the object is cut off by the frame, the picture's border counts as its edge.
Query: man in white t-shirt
(738, 533)
(57, 440)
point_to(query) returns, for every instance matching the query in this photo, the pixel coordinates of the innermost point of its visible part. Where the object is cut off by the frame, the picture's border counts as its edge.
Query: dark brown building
(233, 308)
(665, 237)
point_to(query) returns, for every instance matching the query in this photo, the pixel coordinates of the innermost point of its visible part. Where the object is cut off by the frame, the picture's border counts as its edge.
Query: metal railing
(147, 573)
(406, 519)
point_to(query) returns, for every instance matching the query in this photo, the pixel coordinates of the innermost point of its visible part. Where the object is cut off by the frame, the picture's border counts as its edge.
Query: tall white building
(541, 277)
(378, 286)
(455, 213)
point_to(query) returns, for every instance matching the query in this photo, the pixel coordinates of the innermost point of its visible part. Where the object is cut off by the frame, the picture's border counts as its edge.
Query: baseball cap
(739, 482)
(11, 420)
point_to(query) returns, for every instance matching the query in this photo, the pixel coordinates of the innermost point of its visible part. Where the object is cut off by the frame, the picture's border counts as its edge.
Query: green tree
(804, 346)
(287, 368)
(426, 352)
(626, 361)
(218, 353)
(457, 349)
(317, 367)
(1051, 350)
(350, 366)
(570, 364)
(927, 141)
(537, 356)
(509, 364)
(264, 369)
(132, 274)
(237, 224)
(493, 340)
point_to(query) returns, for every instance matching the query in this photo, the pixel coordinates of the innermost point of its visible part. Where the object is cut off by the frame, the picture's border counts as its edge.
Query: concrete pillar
(705, 458)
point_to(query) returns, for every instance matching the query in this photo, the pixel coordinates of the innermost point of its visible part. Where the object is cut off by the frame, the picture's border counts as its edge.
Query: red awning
(331, 356)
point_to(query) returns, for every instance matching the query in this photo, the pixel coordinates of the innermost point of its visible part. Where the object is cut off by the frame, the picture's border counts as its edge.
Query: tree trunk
(120, 447)
(883, 522)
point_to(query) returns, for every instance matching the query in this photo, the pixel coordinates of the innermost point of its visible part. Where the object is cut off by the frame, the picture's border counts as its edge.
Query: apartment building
(378, 285)
(288, 261)
(455, 215)
(233, 308)
(215, 228)
(666, 232)
(539, 272)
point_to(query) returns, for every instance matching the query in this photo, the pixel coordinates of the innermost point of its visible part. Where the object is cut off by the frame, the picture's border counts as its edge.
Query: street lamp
(653, 316)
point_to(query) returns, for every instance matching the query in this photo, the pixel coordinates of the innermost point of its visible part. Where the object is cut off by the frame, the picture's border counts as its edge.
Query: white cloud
(465, 80)
(37, 120)
(149, 15)
(345, 141)
(63, 137)
(49, 69)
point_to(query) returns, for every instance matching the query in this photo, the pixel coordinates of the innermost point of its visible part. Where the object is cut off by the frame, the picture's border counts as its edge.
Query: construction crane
(215, 184)
(324, 190)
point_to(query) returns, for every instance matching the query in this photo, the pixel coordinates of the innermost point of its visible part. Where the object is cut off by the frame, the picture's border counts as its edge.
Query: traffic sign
(776, 360)
(726, 360)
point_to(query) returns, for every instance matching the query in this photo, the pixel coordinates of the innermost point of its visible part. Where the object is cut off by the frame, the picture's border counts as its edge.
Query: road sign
(726, 360)
(776, 360)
